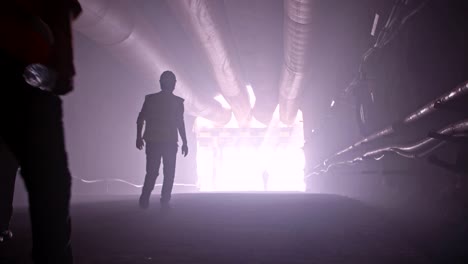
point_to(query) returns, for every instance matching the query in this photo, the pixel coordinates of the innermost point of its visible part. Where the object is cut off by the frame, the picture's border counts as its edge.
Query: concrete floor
(231, 228)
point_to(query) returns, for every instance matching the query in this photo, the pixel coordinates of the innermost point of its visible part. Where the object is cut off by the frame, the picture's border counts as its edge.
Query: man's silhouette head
(167, 81)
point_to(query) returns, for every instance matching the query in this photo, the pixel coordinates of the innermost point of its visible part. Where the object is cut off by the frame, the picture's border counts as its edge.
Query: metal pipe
(423, 147)
(118, 27)
(416, 150)
(432, 106)
(429, 108)
(297, 40)
(206, 22)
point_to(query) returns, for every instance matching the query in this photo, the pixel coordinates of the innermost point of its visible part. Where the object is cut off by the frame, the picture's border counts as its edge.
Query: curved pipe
(297, 40)
(207, 24)
(415, 150)
(116, 26)
(429, 108)
(423, 147)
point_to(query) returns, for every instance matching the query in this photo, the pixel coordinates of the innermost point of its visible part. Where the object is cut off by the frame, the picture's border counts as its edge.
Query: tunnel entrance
(257, 158)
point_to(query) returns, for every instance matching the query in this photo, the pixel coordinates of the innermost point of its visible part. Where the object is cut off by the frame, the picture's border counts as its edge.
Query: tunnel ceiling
(216, 48)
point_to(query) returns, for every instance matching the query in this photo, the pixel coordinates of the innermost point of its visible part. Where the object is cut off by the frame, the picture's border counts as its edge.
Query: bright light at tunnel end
(276, 164)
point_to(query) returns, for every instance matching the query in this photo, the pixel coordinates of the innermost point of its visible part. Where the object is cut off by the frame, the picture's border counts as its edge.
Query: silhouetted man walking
(163, 116)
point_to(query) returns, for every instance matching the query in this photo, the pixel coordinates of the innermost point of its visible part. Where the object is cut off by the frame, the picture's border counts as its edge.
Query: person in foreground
(162, 115)
(36, 66)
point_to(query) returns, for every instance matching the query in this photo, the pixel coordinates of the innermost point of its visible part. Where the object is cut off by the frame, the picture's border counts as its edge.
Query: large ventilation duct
(116, 26)
(256, 26)
(206, 22)
(297, 42)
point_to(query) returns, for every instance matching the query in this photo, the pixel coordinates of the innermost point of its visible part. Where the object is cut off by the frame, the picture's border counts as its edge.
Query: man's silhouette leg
(169, 165)
(34, 133)
(153, 162)
(8, 169)
(31, 127)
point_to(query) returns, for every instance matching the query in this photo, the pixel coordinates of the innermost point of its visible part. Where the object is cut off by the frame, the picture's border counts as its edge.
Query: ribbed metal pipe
(297, 41)
(117, 26)
(206, 22)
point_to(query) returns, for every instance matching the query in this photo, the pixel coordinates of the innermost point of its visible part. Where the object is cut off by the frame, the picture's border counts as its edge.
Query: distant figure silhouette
(265, 178)
(163, 116)
(37, 44)
(8, 169)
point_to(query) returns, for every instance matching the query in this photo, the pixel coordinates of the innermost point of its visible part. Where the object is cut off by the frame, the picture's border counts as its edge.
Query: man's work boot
(5, 235)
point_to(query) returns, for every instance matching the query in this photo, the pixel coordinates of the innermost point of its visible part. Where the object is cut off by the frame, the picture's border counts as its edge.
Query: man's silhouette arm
(181, 128)
(140, 121)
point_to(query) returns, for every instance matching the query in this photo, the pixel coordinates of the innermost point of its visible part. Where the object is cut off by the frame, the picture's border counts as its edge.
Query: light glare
(276, 164)
(252, 98)
(220, 98)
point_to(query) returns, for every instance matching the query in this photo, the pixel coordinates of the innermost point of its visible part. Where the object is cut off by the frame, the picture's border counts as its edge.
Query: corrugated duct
(115, 26)
(205, 21)
(297, 42)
